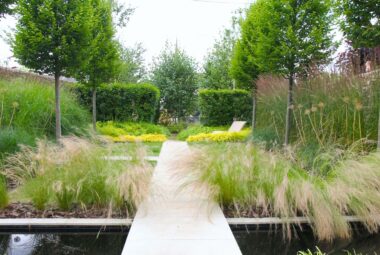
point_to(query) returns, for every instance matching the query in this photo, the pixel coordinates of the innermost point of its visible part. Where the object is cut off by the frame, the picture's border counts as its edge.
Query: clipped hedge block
(122, 102)
(222, 107)
(220, 137)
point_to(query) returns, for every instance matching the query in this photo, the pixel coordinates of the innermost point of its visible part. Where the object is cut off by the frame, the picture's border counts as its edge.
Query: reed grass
(250, 179)
(76, 174)
(27, 112)
(328, 109)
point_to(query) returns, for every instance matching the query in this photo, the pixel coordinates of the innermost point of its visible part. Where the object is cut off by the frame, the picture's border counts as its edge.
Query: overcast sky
(194, 24)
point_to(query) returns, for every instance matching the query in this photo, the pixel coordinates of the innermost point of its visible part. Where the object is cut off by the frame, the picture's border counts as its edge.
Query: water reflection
(265, 242)
(62, 244)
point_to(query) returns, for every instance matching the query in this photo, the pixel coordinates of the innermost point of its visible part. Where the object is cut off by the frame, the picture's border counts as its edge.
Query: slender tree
(243, 68)
(132, 68)
(103, 65)
(292, 37)
(174, 73)
(53, 37)
(218, 62)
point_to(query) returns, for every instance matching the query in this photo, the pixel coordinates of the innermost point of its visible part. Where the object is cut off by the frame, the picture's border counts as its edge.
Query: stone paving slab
(176, 218)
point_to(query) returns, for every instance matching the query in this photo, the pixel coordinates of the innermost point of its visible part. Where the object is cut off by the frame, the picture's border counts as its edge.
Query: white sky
(194, 24)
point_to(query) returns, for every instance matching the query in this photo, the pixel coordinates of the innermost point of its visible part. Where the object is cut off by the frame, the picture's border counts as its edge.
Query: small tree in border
(243, 67)
(292, 37)
(103, 65)
(53, 37)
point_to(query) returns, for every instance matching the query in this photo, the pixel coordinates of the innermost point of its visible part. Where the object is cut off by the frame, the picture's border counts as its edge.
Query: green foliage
(132, 68)
(6, 7)
(114, 129)
(68, 24)
(26, 112)
(176, 128)
(291, 35)
(174, 73)
(246, 178)
(122, 102)
(198, 129)
(218, 61)
(75, 174)
(290, 38)
(219, 137)
(309, 252)
(4, 199)
(54, 37)
(243, 67)
(102, 66)
(222, 107)
(11, 138)
(360, 22)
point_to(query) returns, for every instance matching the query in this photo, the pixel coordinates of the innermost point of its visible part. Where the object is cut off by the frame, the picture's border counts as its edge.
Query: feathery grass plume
(246, 178)
(76, 173)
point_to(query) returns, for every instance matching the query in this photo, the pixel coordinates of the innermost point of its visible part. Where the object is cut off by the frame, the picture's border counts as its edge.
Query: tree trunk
(289, 110)
(94, 108)
(58, 131)
(254, 106)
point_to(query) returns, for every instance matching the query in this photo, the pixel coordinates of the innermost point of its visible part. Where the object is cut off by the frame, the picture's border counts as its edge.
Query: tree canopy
(103, 64)
(132, 68)
(360, 22)
(218, 62)
(291, 38)
(54, 37)
(6, 7)
(174, 73)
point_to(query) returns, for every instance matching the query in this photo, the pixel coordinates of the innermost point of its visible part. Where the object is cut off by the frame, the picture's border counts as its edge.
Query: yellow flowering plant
(220, 137)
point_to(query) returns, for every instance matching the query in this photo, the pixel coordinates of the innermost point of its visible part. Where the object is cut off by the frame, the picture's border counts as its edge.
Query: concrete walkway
(178, 220)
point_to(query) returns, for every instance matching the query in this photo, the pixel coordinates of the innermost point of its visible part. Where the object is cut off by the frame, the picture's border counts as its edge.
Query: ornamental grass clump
(258, 182)
(75, 173)
(328, 109)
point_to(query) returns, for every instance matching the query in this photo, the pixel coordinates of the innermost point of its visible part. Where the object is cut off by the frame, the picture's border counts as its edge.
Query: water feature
(272, 242)
(62, 244)
(251, 242)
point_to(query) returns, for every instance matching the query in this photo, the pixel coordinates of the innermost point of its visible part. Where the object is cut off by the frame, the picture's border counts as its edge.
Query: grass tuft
(76, 174)
(250, 179)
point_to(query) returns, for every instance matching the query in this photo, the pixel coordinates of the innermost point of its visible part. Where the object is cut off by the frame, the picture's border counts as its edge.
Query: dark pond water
(255, 242)
(264, 242)
(62, 244)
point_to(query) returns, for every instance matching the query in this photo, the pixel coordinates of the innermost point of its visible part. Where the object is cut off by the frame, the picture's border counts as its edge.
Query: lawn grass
(250, 179)
(152, 149)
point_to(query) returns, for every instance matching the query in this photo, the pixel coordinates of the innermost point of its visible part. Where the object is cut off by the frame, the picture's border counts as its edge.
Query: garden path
(178, 219)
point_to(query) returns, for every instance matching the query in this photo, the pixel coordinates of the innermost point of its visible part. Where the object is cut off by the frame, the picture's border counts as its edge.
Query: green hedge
(122, 102)
(221, 107)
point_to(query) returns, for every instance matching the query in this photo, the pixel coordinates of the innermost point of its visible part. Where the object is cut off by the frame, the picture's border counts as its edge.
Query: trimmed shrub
(148, 138)
(122, 102)
(111, 128)
(198, 129)
(220, 137)
(221, 107)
